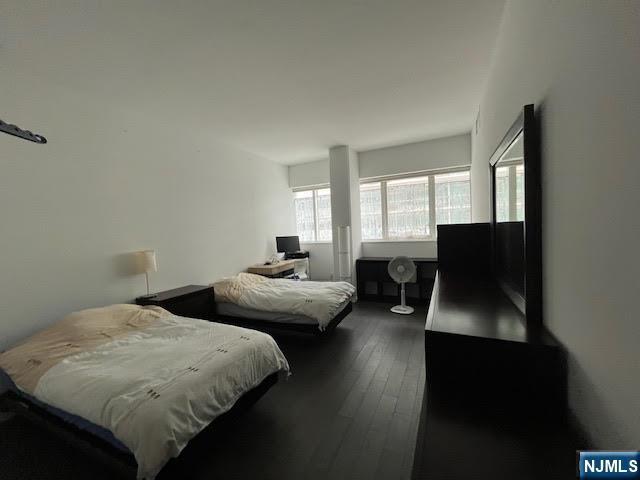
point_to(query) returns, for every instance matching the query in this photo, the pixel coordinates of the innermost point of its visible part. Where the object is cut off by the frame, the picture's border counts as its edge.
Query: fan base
(402, 309)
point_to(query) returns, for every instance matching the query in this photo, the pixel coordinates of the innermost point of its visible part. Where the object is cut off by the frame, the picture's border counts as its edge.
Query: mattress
(318, 300)
(138, 373)
(233, 310)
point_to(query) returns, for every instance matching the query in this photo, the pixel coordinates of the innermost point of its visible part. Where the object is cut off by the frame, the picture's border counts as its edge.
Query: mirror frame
(531, 303)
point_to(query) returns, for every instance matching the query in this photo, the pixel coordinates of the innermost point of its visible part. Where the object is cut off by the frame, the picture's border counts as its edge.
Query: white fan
(402, 269)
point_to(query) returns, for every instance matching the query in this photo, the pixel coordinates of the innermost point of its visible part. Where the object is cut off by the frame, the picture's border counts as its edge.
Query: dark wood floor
(350, 410)
(461, 442)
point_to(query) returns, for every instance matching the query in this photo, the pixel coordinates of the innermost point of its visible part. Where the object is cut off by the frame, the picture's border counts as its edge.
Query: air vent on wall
(18, 132)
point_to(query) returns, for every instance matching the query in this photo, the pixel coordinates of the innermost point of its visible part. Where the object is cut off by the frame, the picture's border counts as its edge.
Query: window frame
(314, 195)
(431, 188)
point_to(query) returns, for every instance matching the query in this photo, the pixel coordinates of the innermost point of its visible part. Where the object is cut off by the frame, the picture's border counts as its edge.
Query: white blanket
(156, 388)
(318, 300)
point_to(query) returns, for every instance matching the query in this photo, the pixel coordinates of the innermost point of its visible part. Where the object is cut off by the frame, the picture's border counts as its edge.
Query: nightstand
(195, 301)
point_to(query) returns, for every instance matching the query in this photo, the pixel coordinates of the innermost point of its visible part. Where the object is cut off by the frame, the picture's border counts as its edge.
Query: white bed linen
(155, 389)
(318, 300)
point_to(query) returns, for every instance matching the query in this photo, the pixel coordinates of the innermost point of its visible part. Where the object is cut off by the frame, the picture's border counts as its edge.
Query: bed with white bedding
(152, 379)
(315, 306)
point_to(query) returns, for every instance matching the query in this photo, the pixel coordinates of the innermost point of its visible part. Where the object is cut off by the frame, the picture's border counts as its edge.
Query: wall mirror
(515, 217)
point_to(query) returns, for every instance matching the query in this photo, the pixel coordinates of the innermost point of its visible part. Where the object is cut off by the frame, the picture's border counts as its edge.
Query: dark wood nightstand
(195, 301)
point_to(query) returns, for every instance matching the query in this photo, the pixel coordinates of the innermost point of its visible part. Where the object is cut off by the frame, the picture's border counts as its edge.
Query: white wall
(407, 158)
(320, 260)
(579, 63)
(354, 211)
(309, 174)
(320, 254)
(415, 157)
(111, 181)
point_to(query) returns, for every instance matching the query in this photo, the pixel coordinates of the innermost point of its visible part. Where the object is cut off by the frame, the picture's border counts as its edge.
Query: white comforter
(155, 389)
(318, 300)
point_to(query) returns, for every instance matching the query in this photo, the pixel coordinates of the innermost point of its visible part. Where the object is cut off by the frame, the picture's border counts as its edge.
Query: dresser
(478, 349)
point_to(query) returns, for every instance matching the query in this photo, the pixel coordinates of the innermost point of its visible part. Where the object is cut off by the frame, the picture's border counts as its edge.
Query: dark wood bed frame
(198, 301)
(281, 327)
(201, 304)
(120, 462)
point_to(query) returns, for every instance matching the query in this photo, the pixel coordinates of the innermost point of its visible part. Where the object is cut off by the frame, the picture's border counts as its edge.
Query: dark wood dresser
(195, 301)
(478, 351)
(477, 346)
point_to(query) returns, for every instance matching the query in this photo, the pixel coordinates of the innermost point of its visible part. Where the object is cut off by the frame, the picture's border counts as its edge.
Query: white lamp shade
(147, 261)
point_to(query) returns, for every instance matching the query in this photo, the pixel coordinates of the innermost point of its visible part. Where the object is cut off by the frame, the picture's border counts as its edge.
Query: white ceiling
(283, 79)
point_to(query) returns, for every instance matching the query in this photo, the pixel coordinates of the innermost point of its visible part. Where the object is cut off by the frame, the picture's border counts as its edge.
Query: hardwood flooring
(353, 408)
(462, 442)
(350, 410)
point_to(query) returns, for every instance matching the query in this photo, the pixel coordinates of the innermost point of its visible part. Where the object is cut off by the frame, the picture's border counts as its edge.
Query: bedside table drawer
(196, 306)
(192, 301)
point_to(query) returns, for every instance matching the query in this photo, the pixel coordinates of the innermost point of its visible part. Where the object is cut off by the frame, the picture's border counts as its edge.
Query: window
(313, 215)
(519, 193)
(409, 208)
(453, 198)
(323, 215)
(502, 194)
(371, 210)
(510, 193)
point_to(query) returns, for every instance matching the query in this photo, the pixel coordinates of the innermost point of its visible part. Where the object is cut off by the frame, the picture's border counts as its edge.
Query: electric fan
(402, 269)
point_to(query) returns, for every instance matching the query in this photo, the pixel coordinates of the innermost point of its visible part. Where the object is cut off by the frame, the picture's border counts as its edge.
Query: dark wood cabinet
(493, 385)
(479, 349)
(375, 284)
(194, 301)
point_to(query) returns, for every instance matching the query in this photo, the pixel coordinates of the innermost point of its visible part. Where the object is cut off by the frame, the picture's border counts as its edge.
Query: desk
(275, 270)
(375, 284)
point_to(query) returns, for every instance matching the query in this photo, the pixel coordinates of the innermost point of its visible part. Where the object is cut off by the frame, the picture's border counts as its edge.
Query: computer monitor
(288, 244)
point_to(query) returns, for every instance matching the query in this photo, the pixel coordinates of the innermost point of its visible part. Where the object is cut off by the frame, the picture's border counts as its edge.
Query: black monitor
(288, 244)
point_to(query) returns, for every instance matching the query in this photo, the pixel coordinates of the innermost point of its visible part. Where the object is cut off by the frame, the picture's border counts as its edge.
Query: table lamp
(147, 259)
